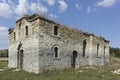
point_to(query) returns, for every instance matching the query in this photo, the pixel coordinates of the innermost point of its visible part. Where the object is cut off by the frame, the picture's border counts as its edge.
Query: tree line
(3, 53)
(115, 52)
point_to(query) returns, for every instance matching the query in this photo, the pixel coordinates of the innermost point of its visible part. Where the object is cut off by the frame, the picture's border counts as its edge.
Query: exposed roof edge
(10, 30)
(34, 17)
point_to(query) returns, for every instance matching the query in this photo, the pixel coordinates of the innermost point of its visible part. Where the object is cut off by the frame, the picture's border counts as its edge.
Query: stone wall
(29, 46)
(38, 46)
(67, 41)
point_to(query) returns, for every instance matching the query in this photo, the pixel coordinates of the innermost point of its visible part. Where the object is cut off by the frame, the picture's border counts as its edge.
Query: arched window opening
(97, 49)
(55, 30)
(26, 28)
(84, 47)
(56, 52)
(74, 58)
(14, 36)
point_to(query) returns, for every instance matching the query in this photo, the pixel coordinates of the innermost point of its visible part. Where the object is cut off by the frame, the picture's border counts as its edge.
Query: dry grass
(83, 73)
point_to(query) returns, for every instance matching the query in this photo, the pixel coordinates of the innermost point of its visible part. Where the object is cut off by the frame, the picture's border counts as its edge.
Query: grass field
(3, 64)
(83, 73)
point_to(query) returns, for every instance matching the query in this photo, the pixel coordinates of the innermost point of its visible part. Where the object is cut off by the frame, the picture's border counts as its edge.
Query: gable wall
(29, 45)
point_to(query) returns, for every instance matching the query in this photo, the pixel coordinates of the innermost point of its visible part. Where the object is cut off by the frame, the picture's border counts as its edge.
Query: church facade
(37, 44)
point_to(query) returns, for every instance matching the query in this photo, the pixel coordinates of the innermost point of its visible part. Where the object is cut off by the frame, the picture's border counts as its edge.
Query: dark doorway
(74, 56)
(20, 59)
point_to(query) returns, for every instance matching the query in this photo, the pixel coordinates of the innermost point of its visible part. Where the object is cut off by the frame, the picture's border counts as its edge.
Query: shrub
(115, 52)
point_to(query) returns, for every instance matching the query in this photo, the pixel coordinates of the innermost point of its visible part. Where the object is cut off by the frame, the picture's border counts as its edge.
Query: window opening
(55, 30)
(97, 49)
(26, 30)
(14, 36)
(84, 47)
(56, 52)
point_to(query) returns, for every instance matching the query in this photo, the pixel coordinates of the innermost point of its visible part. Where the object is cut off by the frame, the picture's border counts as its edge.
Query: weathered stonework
(35, 45)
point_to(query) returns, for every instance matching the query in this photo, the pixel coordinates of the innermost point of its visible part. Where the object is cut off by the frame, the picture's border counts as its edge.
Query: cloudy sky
(101, 17)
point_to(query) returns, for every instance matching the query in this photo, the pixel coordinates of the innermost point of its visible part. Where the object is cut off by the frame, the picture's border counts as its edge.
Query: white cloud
(5, 10)
(22, 7)
(50, 2)
(102, 3)
(3, 43)
(3, 37)
(39, 8)
(3, 28)
(53, 16)
(63, 6)
(106, 3)
(77, 6)
(3, 31)
(8, 8)
(8, 1)
(88, 9)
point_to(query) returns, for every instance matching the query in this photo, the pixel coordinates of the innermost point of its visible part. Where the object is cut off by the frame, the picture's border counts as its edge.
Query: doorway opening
(74, 56)
(20, 59)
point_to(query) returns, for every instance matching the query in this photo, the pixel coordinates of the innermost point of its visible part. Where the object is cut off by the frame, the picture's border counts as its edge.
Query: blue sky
(101, 17)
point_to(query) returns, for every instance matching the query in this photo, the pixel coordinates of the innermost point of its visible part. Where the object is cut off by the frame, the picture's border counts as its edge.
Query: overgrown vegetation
(83, 73)
(3, 53)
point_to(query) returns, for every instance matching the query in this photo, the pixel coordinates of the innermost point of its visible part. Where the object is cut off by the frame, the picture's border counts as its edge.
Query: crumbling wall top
(37, 16)
(10, 30)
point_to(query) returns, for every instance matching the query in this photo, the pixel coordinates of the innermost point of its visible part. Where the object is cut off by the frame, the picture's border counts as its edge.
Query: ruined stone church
(37, 44)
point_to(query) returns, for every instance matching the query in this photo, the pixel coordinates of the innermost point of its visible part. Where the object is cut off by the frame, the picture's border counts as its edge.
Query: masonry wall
(29, 43)
(38, 46)
(67, 41)
(100, 57)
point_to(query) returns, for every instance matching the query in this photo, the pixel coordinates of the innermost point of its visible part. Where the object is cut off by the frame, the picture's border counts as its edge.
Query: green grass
(89, 73)
(3, 64)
